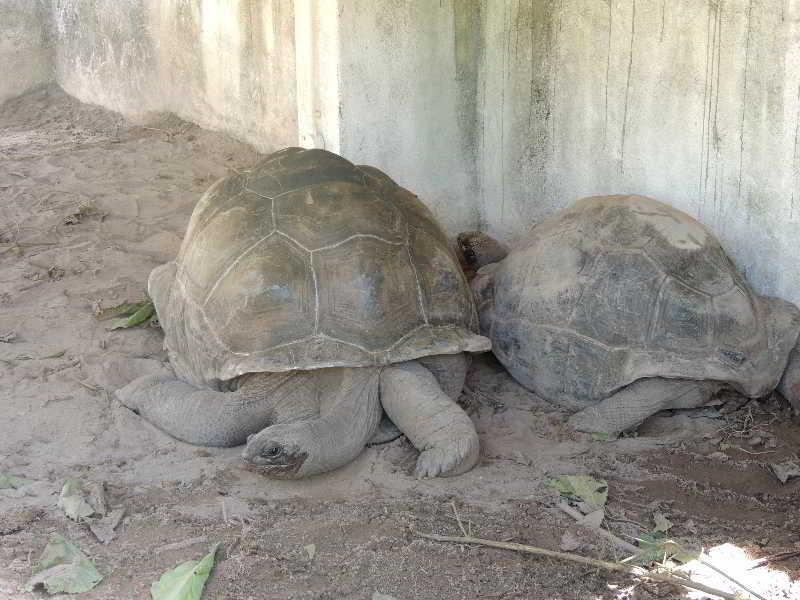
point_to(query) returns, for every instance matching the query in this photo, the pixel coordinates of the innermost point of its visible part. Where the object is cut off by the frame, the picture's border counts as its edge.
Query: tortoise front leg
(209, 418)
(630, 406)
(437, 426)
(450, 371)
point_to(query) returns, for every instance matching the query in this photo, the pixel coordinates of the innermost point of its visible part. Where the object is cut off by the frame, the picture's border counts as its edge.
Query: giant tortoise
(621, 306)
(308, 293)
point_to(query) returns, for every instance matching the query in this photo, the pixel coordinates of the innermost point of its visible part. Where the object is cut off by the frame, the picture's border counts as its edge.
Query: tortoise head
(476, 249)
(280, 451)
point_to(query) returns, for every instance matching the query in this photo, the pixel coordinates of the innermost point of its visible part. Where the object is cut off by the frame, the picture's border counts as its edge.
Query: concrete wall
(374, 81)
(404, 96)
(25, 54)
(500, 112)
(496, 112)
(691, 102)
(225, 64)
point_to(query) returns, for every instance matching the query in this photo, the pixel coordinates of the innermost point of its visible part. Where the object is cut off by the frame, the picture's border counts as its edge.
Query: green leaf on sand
(186, 581)
(73, 501)
(582, 487)
(654, 547)
(11, 482)
(132, 315)
(120, 310)
(63, 569)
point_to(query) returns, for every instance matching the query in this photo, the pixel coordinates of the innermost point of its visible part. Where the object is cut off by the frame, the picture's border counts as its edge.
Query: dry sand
(89, 204)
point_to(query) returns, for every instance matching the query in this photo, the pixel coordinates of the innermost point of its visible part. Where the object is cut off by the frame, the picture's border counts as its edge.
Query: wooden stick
(92, 388)
(634, 550)
(602, 564)
(159, 130)
(702, 561)
(458, 519)
(774, 558)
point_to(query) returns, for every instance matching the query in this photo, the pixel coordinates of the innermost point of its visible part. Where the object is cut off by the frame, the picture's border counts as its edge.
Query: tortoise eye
(271, 452)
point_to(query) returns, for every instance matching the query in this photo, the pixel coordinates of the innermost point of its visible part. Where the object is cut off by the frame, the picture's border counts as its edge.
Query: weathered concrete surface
(105, 54)
(373, 81)
(408, 99)
(495, 112)
(224, 64)
(694, 103)
(25, 54)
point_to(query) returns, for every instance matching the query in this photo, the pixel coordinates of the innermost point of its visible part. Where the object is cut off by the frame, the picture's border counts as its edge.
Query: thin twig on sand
(182, 544)
(719, 571)
(458, 519)
(167, 132)
(92, 388)
(634, 550)
(602, 564)
(767, 560)
(224, 510)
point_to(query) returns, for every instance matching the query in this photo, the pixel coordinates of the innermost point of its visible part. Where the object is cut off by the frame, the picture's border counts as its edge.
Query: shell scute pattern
(221, 194)
(273, 285)
(307, 261)
(300, 168)
(684, 317)
(381, 294)
(612, 309)
(337, 211)
(439, 279)
(245, 222)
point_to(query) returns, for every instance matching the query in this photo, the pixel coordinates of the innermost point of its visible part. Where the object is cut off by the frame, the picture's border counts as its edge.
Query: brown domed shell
(308, 261)
(618, 288)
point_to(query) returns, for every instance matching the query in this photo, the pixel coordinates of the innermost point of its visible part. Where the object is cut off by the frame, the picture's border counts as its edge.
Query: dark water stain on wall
(468, 45)
(516, 85)
(763, 116)
(533, 72)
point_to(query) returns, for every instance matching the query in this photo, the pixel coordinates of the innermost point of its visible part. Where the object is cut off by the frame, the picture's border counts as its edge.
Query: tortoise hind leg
(210, 418)
(630, 406)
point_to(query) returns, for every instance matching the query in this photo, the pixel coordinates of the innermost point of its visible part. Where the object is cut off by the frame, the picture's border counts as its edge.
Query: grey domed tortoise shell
(619, 288)
(308, 261)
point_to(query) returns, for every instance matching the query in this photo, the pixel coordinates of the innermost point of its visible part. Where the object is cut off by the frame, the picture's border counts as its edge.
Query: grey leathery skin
(302, 423)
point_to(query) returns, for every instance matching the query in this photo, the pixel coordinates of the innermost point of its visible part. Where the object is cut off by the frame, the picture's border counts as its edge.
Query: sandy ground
(89, 204)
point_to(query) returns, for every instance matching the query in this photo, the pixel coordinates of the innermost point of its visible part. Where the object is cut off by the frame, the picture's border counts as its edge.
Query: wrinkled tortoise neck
(350, 411)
